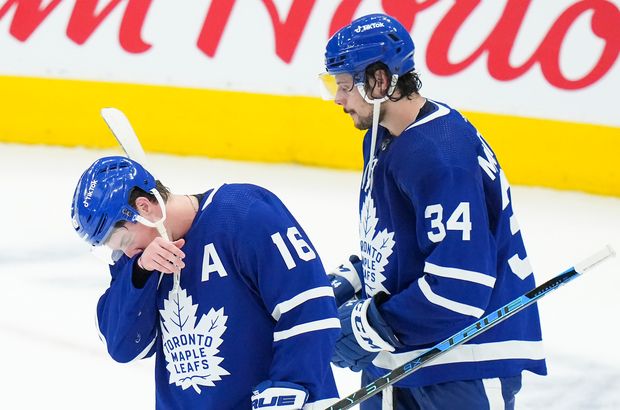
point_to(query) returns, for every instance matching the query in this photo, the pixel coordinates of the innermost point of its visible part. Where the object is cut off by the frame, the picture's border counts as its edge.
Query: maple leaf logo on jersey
(190, 349)
(376, 248)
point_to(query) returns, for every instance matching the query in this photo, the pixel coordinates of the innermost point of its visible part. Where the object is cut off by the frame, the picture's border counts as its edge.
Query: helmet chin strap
(159, 225)
(376, 109)
(161, 229)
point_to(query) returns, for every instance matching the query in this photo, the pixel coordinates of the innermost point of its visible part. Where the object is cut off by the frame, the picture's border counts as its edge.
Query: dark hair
(407, 84)
(138, 192)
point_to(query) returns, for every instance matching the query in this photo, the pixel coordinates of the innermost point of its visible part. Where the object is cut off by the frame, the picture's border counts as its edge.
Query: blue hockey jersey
(254, 304)
(438, 236)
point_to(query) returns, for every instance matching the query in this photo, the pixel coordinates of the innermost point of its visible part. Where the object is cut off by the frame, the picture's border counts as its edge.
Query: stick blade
(592, 261)
(124, 133)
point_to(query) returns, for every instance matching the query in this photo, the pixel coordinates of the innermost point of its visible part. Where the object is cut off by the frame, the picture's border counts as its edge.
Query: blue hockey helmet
(368, 39)
(101, 197)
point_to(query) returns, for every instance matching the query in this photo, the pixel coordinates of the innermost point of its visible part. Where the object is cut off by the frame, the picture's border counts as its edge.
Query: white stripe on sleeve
(146, 350)
(101, 336)
(140, 355)
(332, 323)
(447, 303)
(460, 274)
(468, 353)
(283, 307)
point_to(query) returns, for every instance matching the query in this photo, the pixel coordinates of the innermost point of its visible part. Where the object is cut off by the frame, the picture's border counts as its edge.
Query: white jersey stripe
(441, 111)
(511, 349)
(146, 350)
(493, 390)
(210, 197)
(447, 303)
(101, 335)
(387, 398)
(461, 274)
(140, 355)
(332, 323)
(283, 307)
(514, 225)
(520, 267)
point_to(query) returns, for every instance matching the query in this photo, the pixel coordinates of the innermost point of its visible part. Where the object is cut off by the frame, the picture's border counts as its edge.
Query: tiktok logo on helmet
(367, 40)
(89, 193)
(361, 29)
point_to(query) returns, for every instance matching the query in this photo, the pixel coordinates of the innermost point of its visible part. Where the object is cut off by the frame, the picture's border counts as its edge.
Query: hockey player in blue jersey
(440, 244)
(252, 322)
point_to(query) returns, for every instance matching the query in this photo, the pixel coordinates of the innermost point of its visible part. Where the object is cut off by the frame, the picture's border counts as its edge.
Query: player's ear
(143, 205)
(382, 82)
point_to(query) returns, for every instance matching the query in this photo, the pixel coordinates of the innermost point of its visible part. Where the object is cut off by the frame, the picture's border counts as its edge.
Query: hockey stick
(120, 126)
(124, 134)
(472, 331)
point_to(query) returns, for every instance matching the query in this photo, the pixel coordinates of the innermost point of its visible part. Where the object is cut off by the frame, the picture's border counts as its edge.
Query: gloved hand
(364, 333)
(279, 395)
(346, 280)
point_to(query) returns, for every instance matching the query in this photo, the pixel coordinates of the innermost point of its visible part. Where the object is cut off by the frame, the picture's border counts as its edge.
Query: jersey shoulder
(236, 199)
(233, 209)
(441, 137)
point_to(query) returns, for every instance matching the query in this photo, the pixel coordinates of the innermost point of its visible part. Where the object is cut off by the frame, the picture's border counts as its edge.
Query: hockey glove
(364, 334)
(346, 280)
(279, 395)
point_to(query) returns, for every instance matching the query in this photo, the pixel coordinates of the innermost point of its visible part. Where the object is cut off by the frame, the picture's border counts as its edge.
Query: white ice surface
(50, 354)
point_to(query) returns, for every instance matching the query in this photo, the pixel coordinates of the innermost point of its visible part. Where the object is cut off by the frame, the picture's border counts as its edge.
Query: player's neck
(181, 211)
(398, 115)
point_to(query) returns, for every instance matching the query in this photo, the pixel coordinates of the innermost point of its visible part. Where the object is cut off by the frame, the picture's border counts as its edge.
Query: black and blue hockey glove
(364, 333)
(346, 280)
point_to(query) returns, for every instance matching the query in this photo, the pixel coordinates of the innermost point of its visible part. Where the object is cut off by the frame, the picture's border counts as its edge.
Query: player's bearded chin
(360, 122)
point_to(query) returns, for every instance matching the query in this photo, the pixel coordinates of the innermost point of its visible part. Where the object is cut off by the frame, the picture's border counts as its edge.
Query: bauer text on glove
(279, 396)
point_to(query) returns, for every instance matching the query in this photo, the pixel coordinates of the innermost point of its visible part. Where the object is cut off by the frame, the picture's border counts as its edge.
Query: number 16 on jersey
(301, 247)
